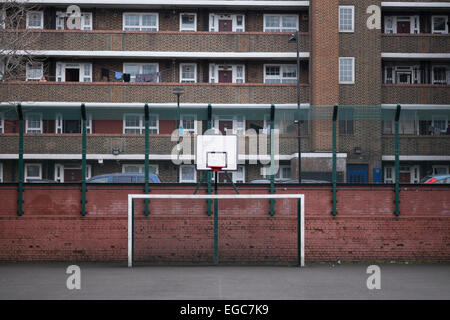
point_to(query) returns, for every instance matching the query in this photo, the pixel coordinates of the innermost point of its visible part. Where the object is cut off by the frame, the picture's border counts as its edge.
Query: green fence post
(208, 173)
(334, 174)
(83, 160)
(272, 159)
(20, 178)
(146, 165)
(397, 162)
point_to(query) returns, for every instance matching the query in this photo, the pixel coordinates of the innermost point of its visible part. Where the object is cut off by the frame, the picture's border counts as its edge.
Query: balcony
(415, 94)
(415, 43)
(417, 145)
(103, 144)
(170, 41)
(248, 93)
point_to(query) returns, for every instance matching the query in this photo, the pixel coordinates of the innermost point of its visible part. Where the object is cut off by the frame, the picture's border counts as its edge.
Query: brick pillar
(324, 69)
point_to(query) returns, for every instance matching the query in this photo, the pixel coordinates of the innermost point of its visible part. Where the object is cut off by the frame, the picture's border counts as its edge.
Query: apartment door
(357, 173)
(225, 76)
(404, 77)
(72, 75)
(225, 125)
(72, 175)
(403, 27)
(226, 25)
(72, 126)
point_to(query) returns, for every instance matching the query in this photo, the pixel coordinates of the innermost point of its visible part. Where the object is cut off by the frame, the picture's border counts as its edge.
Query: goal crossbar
(300, 214)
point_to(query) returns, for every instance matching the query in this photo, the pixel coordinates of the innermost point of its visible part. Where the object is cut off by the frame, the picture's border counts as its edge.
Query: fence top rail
(213, 196)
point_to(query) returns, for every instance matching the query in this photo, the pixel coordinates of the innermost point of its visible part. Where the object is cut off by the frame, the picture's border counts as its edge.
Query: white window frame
(390, 179)
(215, 68)
(279, 175)
(195, 73)
(239, 123)
(439, 31)
(193, 131)
(40, 66)
(280, 26)
(353, 19)
(2, 123)
(61, 21)
(140, 26)
(62, 66)
(352, 81)
(1, 172)
(59, 123)
(413, 20)
(141, 167)
(195, 21)
(442, 117)
(440, 166)
(42, 19)
(234, 175)
(215, 17)
(280, 76)
(141, 126)
(141, 68)
(446, 74)
(26, 171)
(59, 171)
(27, 129)
(181, 180)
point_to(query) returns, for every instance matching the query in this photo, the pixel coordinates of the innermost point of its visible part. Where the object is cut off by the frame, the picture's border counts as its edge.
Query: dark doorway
(225, 125)
(72, 175)
(72, 126)
(226, 25)
(225, 76)
(403, 27)
(72, 75)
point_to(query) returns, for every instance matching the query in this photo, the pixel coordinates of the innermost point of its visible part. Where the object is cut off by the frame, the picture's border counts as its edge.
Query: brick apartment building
(232, 55)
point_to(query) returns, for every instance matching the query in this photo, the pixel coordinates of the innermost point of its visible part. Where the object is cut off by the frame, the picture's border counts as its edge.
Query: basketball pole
(216, 222)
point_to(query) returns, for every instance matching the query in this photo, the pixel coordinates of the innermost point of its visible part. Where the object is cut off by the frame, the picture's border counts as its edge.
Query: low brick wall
(180, 231)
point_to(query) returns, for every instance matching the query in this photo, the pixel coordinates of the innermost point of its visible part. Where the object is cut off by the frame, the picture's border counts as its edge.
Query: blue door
(357, 173)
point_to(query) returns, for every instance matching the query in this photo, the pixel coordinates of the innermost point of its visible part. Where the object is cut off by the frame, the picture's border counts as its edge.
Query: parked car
(440, 178)
(124, 178)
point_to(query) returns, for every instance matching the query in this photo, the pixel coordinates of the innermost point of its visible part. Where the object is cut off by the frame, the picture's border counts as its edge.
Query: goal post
(300, 216)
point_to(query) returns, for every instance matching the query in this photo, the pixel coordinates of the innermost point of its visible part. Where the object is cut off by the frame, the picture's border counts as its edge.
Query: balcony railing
(415, 43)
(109, 40)
(415, 94)
(248, 93)
(127, 144)
(417, 145)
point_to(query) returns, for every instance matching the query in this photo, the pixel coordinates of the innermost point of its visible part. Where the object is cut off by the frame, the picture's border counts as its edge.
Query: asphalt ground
(315, 281)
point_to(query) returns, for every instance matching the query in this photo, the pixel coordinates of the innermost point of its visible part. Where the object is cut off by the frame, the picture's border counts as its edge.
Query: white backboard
(213, 145)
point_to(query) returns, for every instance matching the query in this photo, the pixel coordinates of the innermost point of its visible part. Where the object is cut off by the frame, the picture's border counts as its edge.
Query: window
(225, 123)
(226, 73)
(72, 126)
(140, 21)
(389, 176)
(439, 75)
(33, 123)
(439, 123)
(134, 124)
(402, 74)
(440, 169)
(226, 22)
(188, 22)
(188, 173)
(346, 18)
(35, 20)
(346, 122)
(73, 72)
(188, 72)
(283, 173)
(34, 71)
(2, 18)
(85, 21)
(189, 123)
(280, 23)
(346, 70)
(33, 171)
(401, 24)
(237, 176)
(139, 168)
(439, 24)
(283, 73)
(141, 68)
(407, 124)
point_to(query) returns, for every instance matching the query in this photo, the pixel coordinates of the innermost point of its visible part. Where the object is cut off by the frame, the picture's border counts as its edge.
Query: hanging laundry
(118, 75)
(105, 73)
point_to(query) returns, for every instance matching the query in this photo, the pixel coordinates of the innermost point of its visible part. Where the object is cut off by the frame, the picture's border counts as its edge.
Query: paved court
(316, 281)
